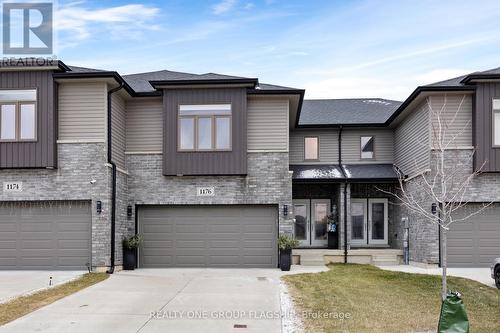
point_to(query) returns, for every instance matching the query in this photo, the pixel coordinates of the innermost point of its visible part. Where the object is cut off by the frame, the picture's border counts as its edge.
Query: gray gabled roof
(77, 69)
(352, 111)
(460, 80)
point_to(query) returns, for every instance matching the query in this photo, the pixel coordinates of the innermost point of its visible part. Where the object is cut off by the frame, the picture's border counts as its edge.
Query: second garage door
(208, 236)
(476, 241)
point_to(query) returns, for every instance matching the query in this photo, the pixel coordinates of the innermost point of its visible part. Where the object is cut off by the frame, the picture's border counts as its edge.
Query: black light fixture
(433, 208)
(129, 211)
(285, 210)
(99, 206)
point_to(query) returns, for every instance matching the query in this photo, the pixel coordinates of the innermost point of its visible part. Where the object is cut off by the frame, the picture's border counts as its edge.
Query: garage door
(208, 236)
(45, 235)
(475, 242)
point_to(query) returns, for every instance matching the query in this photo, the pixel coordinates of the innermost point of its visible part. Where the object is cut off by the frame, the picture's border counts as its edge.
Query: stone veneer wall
(268, 182)
(78, 164)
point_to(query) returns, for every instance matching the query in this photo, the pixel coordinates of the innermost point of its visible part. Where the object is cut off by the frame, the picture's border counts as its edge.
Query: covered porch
(346, 214)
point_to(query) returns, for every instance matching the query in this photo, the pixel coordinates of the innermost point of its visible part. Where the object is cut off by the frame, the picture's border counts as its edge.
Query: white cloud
(441, 74)
(79, 22)
(223, 7)
(356, 87)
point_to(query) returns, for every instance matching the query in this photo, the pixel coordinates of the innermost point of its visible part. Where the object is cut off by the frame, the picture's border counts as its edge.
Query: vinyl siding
(486, 157)
(144, 125)
(457, 119)
(267, 125)
(351, 146)
(328, 146)
(82, 111)
(412, 141)
(118, 130)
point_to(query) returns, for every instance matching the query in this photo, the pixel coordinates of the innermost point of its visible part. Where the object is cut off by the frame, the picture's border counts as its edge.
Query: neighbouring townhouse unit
(209, 169)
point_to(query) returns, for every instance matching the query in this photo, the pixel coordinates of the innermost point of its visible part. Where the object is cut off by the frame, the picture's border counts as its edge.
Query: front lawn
(376, 300)
(23, 305)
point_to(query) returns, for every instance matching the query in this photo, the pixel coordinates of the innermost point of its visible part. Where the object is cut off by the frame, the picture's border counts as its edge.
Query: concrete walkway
(482, 275)
(17, 283)
(168, 300)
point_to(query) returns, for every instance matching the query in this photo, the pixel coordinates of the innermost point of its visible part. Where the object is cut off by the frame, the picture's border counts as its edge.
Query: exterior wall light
(129, 211)
(99, 206)
(285, 210)
(433, 208)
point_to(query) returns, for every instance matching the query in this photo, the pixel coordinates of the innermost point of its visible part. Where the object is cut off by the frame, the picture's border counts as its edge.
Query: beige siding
(328, 146)
(144, 125)
(351, 146)
(267, 125)
(455, 111)
(411, 137)
(118, 129)
(82, 111)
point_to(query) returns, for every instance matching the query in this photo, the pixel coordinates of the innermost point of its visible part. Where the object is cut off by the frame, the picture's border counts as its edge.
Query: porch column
(342, 216)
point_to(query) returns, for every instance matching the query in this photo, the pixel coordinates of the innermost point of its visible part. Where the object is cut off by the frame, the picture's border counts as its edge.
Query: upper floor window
(496, 122)
(367, 147)
(311, 148)
(18, 115)
(204, 127)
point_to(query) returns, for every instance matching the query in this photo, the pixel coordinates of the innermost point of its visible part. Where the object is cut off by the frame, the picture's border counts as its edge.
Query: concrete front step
(320, 257)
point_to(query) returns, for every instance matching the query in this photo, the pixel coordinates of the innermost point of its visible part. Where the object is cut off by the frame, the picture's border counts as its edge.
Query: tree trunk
(443, 263)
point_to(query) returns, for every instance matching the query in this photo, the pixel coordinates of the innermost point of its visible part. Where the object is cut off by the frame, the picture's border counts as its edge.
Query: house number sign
(12, 187)
(205, 192)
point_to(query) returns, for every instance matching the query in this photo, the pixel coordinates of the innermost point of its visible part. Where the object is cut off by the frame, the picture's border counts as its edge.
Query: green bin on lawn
(453, 318)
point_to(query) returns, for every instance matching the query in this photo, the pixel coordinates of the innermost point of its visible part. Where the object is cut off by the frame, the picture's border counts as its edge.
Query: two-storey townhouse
(210, 168)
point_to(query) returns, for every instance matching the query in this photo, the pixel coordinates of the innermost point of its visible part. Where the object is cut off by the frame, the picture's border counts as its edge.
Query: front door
(311, 219)
(369, 222)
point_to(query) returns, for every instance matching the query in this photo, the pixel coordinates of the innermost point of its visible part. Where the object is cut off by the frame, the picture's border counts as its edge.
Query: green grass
(386, 301)
(23, 305)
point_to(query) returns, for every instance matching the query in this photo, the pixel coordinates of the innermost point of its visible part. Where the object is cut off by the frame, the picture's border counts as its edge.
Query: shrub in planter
(285, 245)
(130, 246)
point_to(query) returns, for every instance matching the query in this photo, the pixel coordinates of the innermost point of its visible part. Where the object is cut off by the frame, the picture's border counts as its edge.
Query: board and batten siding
(351, 146)
(267, 125)
(412, 141)
(455, 111)
(82, 111)
(144, 133)
(328, 146)
(118, 129)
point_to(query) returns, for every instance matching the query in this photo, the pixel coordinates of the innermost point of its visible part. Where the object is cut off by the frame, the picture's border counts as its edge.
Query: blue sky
(333, 49)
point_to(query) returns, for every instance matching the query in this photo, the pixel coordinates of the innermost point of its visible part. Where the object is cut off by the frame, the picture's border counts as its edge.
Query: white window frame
(494, 111)
(317, 148)
(361, 147)
(197, 111)
(17, 105)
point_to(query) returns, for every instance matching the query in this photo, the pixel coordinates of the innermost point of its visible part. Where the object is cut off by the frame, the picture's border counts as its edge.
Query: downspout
(345, 194)
(113, 181)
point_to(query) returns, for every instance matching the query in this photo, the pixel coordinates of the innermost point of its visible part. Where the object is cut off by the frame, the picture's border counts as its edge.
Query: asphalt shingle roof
(347, 111)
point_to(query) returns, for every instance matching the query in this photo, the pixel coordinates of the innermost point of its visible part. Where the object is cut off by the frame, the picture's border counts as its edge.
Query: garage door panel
(45, 235)
(220, 236)
(475, 242)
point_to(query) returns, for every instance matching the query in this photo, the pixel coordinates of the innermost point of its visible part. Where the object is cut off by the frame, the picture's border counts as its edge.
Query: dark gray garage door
(45, 235)
(208, 236)
(475, 242)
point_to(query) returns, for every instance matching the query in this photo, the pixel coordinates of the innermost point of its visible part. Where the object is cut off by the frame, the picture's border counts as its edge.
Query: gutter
(113, 182)
(345, 194)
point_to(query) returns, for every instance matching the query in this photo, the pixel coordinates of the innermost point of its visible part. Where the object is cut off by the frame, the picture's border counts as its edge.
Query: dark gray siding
(487, 158)
(41, 153)
(205, 163)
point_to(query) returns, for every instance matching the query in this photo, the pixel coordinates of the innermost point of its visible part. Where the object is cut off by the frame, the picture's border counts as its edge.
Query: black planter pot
(285, 259)
(129, 259)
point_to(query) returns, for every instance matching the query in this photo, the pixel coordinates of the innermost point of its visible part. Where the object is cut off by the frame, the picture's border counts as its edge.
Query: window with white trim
(367, 147)
(205, 127)
(311, 148)
(18, 115)
(496, 122)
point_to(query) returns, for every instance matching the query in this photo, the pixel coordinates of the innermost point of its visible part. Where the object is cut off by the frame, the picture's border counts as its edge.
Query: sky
(333, 49)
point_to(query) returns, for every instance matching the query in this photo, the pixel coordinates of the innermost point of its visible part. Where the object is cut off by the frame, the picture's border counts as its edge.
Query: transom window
(204, 127)
(367, 147)
(311, 148)
(18, 115)
(496, 122)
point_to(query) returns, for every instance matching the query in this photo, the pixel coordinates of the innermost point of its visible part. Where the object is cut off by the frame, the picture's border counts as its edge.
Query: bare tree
(448, 182)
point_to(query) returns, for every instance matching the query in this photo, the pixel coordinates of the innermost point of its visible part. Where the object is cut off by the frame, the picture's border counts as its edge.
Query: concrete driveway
(482, 274)
(168, 300)
(17, 283)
